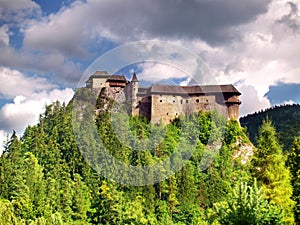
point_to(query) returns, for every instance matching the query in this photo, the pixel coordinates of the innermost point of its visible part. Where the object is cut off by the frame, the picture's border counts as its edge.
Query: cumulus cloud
(267, 55)
(155, 72)
(15, 83)
(16, 10)
(291, 20)
(70, 29)
(4, 36)
(251, 102)
(254, 44)
(55, 64)
(25, 111)
(3, 139)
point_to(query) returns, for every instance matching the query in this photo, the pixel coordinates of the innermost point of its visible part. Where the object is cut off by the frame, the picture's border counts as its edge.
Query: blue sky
(45, 47)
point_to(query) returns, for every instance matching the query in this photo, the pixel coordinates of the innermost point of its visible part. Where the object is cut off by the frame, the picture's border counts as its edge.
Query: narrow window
(197, 100)
(173, 101)
(181, 101)
(187, 101)
(167, 114)
(160, 100)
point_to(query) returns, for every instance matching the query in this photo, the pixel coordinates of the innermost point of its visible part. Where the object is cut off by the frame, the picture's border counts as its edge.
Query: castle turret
(134, 91)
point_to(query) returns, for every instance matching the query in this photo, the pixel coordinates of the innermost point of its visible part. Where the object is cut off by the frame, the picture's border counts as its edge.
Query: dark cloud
(63, 71)
(210, 20)
(71, 29)
(291, 20)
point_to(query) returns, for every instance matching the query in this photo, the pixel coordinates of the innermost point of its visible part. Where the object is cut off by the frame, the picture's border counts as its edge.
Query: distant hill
(286, 120)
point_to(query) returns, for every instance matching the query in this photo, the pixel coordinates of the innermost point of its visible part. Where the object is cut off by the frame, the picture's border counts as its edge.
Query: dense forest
(45, 178)
(285, 118)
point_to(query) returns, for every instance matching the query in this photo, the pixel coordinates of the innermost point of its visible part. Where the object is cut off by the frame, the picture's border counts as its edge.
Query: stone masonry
(163, 103)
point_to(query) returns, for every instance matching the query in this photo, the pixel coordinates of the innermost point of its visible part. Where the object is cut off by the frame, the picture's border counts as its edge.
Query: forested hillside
(286, 120)
(44, 178)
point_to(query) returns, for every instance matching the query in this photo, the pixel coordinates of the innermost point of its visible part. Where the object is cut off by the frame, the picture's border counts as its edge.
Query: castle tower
(134, 91)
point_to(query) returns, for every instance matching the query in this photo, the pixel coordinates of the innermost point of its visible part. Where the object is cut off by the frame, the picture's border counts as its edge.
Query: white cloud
(289, 102)
(69, 30)
(267, 54)
(25, 111)
(251, 102)
(64, 32)
(4, 35)
(155, 72)
(257, 43)
(63, 69)
(3, 139)
(15, 10)
(15, 83)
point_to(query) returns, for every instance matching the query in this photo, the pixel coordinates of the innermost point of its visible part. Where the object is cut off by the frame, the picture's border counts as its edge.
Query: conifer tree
(246, 206)
(294, 165)
(268, 166)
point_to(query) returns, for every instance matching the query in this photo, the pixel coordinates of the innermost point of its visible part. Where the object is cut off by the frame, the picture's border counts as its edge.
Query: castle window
(187, 101)
(206, 100)
(167, 114)
(197, 100)
(181, 101)
(173, 101)
(176, 114)
(160, 100)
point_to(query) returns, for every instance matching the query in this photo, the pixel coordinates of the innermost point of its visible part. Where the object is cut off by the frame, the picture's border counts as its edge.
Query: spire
(134, 78)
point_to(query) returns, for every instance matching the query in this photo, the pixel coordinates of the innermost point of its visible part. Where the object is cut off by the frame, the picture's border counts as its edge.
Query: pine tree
(246, 206)
(269, 168)
(294, 165)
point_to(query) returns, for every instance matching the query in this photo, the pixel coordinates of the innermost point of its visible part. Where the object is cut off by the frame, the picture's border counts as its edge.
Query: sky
(45, 47)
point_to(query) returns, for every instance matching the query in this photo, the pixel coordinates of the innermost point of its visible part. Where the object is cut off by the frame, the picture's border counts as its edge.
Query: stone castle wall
(166, 108)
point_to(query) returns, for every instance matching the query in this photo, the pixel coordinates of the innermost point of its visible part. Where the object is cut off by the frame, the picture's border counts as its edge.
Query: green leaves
(294, 165)
(46, 179)
(268, 166)
(246, 206)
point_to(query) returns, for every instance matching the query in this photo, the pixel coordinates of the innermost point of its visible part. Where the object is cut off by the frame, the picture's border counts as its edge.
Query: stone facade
(166, 102)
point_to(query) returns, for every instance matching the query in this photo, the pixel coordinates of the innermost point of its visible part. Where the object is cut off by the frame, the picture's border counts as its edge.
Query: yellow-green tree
(268, 166)
(294, 165)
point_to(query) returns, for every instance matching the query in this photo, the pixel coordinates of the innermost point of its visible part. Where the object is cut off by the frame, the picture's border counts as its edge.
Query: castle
(166, 102)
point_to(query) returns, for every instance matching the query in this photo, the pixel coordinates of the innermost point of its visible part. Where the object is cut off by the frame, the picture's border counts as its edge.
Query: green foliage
(285, 119)
(246, 206)
(269, 168)
(7, 215)
(294, 165)
(45, 179)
